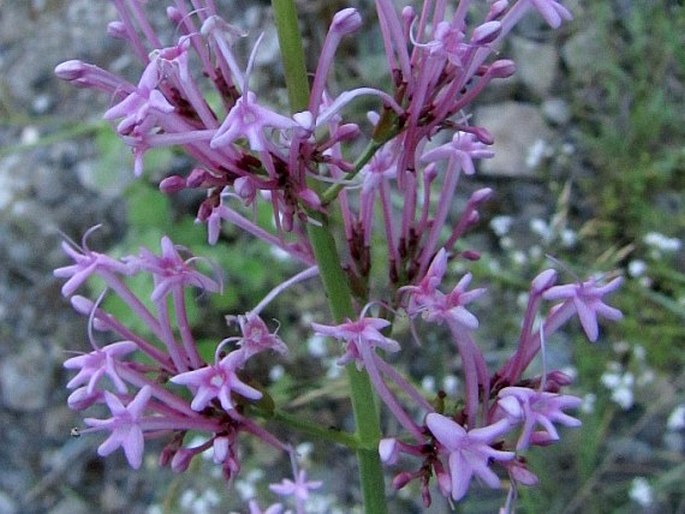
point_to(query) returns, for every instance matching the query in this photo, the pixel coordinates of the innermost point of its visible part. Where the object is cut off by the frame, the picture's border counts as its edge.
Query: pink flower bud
(389, 451)
(70, 70)
(196, 178)
(502, 68)
(402, 479)
(486, 33)
(181, 460)
(544, 281)
(497, 9)
(117, 30)
(172, 184)
(482, 195)
(347, 132)
(346, 21)
(174, 15)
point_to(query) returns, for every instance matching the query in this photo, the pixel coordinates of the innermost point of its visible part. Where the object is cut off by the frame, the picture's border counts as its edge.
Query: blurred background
(590, 168)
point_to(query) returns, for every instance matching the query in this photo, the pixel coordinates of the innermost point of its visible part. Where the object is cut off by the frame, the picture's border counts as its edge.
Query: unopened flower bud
(497, 9)
(196, 178)
(471, 255)
(544, 281)
(174, 14)
(117, 30)
(347, 132)
(346, 21)
(402, 479)
(70, 70)
(172, 184)
(502, 68)
(181, 460)
(486, 33)
(482, 195)
(388, 451)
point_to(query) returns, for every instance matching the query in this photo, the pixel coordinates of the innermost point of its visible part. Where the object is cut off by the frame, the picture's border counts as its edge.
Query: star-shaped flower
(469, 453)
(94, 365)
(171, 270)
(533, 408)
(124, 425)
(299, 488)
(364, 331)
(587, 300)
(217, 381)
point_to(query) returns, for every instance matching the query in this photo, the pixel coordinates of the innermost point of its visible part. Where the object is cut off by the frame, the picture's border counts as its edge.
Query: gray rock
(7, 504)
(537, 64)
(556, 111)
(520, 134)
(70, 505)
(25, 379)
(581, 51)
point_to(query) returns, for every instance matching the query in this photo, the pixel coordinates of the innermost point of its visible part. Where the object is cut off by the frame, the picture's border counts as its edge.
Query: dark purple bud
(402, 479)
(483, 135)
(347, 132)
(172, 184)
(196, 178)
(471, 255)
(502, 68)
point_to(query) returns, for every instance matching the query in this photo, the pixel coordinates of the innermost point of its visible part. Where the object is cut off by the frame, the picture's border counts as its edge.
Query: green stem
(315, 430)
(333, 277)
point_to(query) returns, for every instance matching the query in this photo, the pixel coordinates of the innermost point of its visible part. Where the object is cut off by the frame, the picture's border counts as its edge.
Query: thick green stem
(333, 277)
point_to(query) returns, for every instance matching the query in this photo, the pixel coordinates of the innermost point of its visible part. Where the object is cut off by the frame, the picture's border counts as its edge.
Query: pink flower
(92, 366)
(139, 109)
(170, 271)
(553, 12)
(461, 151)
(587, 300)
(299, 488)
(364, 331)
(87, 263)
(469, 453)
(533, 408)
(247, 119)
(217, 381)
(257, 338)
(125, 426)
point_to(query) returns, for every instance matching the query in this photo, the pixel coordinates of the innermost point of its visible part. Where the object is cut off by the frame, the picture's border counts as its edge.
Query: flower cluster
(417, 145)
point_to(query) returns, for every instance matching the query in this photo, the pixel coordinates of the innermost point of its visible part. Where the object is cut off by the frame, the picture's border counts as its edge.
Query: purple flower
(217, 381)
(469, 453)
(587, 300)
(170, 271)
(257, 338)
(247, 119)
(139, 108)
(463, 148)
(533, 408)
(364, 331)
(124, 425)
(92, 366)
(276, 508)
(299, 488)
(553, 12)
(87, 263)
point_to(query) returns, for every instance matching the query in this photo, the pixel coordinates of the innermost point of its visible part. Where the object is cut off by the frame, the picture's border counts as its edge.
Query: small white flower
(676, 420)
(641, 492)
(637, 268)
(501, 225)
(588, 405)
(661, 242)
